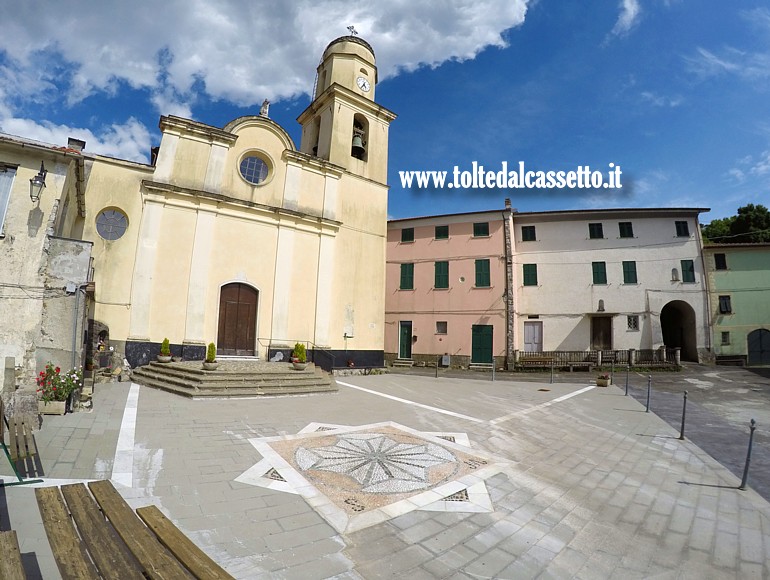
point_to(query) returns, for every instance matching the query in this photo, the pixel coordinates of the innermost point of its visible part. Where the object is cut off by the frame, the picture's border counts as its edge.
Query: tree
(717, 231)
(752, 224)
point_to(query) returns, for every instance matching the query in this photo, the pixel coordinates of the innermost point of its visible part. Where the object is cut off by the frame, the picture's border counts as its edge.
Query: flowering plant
(52, 385)
(604, 376)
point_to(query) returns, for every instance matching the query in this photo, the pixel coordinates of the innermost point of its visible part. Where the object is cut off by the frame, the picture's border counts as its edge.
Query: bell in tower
(358, 150)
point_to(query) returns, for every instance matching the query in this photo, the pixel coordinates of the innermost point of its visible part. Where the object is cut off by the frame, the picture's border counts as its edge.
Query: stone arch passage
(677, 321)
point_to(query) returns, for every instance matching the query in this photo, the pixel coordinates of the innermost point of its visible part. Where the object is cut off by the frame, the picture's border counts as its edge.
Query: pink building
(447, 289)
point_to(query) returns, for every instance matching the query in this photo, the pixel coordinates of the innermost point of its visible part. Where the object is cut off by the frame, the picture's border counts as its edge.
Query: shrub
(300, 353)
(211, 353)
(165, 349)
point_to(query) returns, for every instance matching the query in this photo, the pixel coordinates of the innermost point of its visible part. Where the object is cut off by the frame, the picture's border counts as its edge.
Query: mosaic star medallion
(360, 476)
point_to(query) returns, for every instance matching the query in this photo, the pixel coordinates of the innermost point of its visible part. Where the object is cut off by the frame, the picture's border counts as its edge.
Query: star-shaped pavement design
(356, 477)
(377, 462)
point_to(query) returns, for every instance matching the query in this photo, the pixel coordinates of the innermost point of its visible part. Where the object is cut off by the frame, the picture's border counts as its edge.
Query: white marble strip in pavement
(540, 406)
(408, 402)
(123, 466)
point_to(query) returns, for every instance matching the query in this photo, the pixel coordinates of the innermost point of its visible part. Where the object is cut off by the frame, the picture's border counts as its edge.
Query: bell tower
(343, 124)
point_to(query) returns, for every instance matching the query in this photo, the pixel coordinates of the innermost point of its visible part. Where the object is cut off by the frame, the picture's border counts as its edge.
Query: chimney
(507, 203)
(76, 144)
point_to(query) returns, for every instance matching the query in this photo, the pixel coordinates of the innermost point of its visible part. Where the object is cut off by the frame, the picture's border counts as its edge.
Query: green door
(481, 343)
(405, 339)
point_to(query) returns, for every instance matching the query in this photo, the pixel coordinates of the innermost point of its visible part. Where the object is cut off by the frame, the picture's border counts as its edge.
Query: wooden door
(237, 320)
(601, 333)
(405, 340)
(759, 347)
(481, 343)
(533, 337)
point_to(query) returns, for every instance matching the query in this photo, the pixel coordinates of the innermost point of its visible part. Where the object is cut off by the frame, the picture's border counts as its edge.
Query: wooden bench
(11, 567)
(535, 362)
(98, 535)
(21, 449)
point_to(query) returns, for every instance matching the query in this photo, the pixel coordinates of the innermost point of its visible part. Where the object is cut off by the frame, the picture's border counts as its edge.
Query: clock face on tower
(363, 84)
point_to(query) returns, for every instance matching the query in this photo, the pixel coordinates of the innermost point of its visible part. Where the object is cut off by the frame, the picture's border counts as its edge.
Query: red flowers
(55, 386)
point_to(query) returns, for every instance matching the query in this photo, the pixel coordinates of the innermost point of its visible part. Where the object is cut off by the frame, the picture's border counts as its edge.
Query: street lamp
(37, 183)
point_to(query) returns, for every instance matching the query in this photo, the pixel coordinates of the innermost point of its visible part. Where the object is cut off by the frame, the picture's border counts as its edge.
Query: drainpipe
(706, 290)
(78, 289)
(509, 302)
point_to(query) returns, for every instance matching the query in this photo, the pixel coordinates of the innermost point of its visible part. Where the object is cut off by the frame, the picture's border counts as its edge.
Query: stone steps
(486, 367)
(234, 378)
(403, 362)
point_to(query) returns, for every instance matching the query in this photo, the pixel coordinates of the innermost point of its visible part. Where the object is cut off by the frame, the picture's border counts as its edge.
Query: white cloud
(762, 166)
(746, 65)
(661, 100)
(242, 51)
(630, 12)
(239, 51)
(130, 140)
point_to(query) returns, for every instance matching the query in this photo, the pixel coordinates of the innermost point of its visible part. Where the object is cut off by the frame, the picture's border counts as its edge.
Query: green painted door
(405, 339)
(481, 343)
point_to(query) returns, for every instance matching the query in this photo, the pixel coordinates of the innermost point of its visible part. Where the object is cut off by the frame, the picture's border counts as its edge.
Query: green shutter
(442, 233)
(626, 229)
(482, 274)
(442, 275)
(481, 230)
(629, 273)
(528, 234)
(407, 235)
(530, 274)
(600, 272)
(688, 271)
(407, 277)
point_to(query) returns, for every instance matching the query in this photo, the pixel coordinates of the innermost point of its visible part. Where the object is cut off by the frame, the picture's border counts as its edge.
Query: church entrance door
(237, 320)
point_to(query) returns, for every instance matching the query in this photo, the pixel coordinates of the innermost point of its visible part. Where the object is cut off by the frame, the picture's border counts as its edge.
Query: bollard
(438, 360)
(752, 426)
(628, 370)
(649, 386)
(684, 412)
(612, 373)
(493, 369)
(551, 372)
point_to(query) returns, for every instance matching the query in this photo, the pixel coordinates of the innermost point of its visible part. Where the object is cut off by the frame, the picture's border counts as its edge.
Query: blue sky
(676, 92)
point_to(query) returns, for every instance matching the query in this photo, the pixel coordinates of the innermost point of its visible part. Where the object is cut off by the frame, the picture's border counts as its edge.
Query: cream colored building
(43, 271)
(235, 236)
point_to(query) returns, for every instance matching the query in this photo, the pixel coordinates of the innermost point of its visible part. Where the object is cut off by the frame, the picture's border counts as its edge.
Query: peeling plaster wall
(63, 312)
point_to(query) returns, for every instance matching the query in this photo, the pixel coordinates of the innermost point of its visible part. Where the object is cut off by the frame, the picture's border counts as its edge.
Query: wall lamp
(37, 183)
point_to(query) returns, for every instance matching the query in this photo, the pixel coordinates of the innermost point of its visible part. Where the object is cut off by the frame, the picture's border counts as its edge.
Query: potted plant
(211, 358)
(603, 380)
(55, 388)
(299, 357)
(165, 352)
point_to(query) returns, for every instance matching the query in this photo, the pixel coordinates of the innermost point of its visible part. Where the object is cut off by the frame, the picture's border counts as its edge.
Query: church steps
(233, 379)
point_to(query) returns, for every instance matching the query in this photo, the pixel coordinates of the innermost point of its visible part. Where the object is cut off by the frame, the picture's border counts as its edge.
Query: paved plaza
(408, 476)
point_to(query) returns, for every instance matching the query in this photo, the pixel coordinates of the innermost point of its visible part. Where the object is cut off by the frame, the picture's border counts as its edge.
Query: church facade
(237, 236)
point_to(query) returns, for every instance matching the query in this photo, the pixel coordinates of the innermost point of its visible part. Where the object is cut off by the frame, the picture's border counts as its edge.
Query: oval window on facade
(111, 224)
(254, 169)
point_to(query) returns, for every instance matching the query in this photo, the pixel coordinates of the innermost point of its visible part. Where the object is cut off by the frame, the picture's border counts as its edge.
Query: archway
(237, 320)
(759, 347)
(677, 321)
